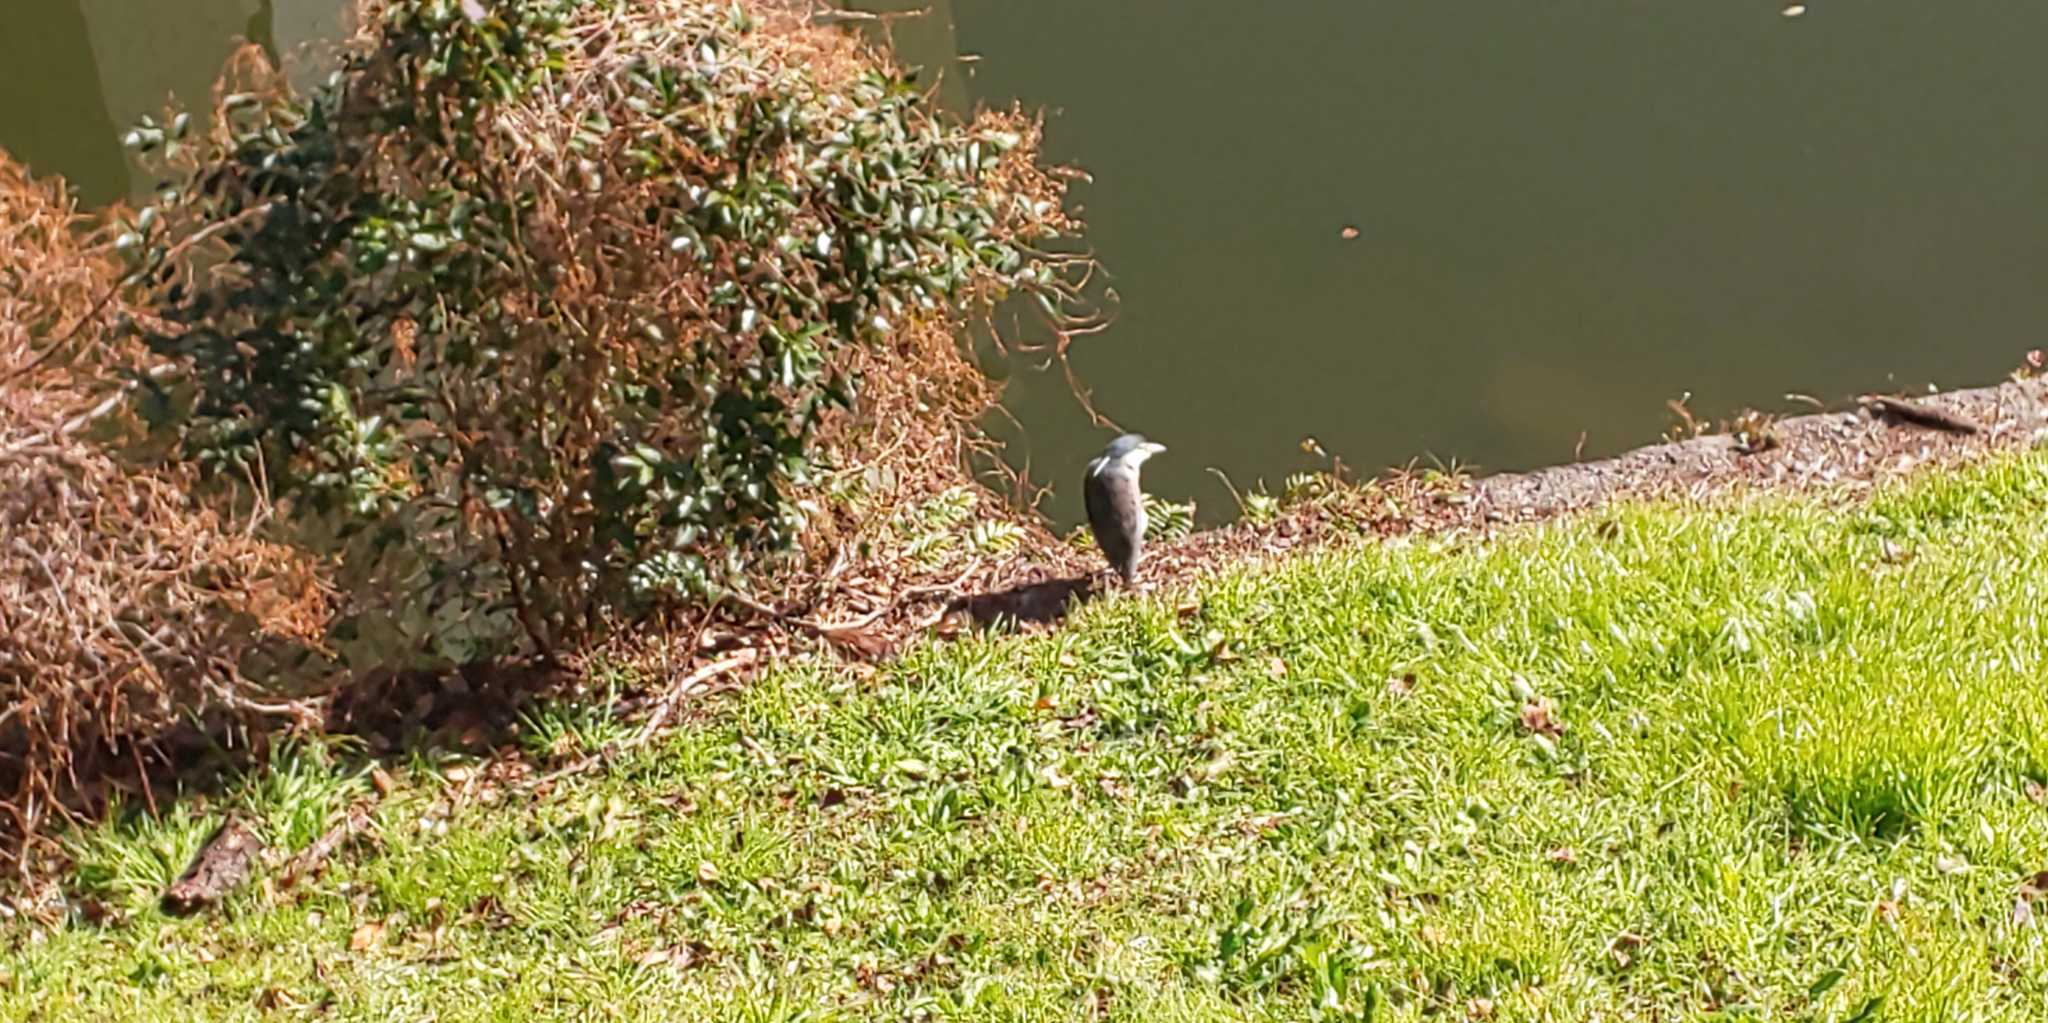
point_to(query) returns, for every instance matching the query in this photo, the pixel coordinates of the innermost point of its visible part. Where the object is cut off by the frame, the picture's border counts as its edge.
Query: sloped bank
(1779, 757)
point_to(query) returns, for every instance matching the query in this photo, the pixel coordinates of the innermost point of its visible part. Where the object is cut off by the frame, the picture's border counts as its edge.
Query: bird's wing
(1112, 503)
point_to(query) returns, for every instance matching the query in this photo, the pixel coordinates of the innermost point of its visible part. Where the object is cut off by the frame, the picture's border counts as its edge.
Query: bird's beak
(1154, 449)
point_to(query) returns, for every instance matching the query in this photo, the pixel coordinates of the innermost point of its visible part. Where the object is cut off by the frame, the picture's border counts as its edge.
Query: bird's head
(1128, 452)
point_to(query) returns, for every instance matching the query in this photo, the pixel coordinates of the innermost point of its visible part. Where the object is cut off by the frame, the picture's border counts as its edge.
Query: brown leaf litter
(222, 865)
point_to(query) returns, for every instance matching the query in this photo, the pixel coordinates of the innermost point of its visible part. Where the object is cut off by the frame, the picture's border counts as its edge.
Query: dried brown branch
(687, 686)
(128, 606)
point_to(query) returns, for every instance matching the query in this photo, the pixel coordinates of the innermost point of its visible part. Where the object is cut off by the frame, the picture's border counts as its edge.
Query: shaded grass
(1792, 782)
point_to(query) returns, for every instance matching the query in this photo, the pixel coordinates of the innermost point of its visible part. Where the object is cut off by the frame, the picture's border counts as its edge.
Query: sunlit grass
(1796, 779)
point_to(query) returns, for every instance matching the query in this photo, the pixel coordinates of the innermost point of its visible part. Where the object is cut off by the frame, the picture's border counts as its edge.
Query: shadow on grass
(1040, 603)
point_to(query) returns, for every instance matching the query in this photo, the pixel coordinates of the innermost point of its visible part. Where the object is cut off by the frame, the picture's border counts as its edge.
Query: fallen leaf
(276, 999)
(381, 780)
(1563, 854)
(1401, 686)
(1539, 717)
(2036, 886)
(366, 937)
(707, 872)
(1624, 947)
(221, 865)
(1215, 766)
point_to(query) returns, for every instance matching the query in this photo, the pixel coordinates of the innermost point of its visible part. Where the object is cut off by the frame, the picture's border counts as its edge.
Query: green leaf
(1824, 984)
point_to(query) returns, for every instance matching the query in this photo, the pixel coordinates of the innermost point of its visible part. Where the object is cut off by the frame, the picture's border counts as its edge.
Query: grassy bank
(1770, 759)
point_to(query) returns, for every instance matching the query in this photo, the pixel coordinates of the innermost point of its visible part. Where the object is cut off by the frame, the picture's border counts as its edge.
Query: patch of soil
(1850, 451)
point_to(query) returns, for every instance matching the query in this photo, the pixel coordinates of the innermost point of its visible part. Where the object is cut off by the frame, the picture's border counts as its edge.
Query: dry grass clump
(125, 610)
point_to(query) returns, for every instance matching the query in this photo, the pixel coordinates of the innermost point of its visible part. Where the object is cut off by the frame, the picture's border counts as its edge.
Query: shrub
(533, 313)
(125, 609)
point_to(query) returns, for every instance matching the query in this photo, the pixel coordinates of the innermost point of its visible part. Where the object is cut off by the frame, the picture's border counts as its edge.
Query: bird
(1116, 504)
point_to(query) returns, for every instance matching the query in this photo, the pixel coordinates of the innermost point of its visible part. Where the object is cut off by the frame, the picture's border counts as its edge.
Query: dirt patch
(1850, 450)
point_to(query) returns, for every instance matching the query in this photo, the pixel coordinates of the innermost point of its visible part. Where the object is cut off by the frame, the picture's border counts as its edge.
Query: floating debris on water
(1794, 10)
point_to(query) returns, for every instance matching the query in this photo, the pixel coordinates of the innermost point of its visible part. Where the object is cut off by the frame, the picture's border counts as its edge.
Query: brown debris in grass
(311, 860)
(125, 608)
(220, 866)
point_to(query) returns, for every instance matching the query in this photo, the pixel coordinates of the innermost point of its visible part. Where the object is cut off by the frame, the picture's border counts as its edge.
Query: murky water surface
(1565, 212)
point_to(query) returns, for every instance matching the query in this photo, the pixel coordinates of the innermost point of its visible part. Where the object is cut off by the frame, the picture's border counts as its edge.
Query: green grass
(1793, 784)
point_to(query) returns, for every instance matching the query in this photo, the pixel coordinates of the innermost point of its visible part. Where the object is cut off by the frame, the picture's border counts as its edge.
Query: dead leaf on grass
(1539, 717)
(366, 937)
(2035, 887)
(1623, 949)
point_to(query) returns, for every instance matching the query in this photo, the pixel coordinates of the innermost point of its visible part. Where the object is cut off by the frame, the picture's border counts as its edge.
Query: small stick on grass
(1899, 410)
(685, 685)
(313, 859)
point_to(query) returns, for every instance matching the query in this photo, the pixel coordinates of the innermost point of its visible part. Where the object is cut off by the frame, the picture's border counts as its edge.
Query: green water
(1567, 211)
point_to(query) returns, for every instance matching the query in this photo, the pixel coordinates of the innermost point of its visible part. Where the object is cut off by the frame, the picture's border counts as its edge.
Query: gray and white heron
(1116, 504)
